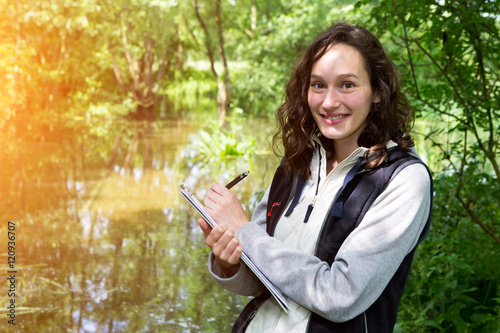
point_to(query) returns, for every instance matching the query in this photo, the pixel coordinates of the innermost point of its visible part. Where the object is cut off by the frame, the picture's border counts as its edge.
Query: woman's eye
(347, 85)
(318, 85)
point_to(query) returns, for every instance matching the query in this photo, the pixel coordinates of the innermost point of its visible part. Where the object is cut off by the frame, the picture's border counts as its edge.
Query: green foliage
(448, 55)
(216, 145)
(39, 78)
(192, 94)
(451, 286)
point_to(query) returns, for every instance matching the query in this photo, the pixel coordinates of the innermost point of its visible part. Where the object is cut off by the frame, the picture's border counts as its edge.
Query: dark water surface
(104, 242)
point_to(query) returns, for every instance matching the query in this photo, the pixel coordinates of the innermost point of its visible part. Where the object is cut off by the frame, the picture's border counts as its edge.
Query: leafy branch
(467, 120)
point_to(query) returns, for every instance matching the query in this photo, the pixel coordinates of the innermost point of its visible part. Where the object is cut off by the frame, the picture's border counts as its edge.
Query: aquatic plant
(216, 144)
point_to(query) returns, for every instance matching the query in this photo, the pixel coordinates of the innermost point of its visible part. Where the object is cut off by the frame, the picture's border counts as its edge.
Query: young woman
(337, 229)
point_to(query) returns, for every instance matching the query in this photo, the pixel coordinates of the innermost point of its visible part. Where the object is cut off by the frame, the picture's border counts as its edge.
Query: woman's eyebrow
(347, 75)
(341, 76)
(316, 77)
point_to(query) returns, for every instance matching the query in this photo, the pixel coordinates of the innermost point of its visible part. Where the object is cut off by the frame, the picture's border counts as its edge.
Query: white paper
(278, 295)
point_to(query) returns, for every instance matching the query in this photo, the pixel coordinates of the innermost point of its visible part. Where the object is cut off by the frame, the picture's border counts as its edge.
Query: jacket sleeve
(365, 262)
(244, 282)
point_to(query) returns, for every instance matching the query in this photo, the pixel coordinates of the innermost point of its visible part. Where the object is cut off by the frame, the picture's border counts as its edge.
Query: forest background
(86, 85)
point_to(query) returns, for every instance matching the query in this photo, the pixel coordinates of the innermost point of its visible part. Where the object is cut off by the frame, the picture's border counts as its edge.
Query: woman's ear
(376, 98)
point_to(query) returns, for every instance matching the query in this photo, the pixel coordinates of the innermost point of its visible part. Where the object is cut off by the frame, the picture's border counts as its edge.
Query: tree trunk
(221, 102)
(180, 49)
(114, 155)
(148, 148)
(227, 96)
(253, 17)
(144, 85)
(222, 85)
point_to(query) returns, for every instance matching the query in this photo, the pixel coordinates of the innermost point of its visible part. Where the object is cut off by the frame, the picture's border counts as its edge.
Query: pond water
(109, 245)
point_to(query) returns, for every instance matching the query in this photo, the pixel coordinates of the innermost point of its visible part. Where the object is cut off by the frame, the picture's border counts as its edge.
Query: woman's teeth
(335, 117)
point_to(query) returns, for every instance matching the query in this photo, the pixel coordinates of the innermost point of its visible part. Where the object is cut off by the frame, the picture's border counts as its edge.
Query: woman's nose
(332, 100)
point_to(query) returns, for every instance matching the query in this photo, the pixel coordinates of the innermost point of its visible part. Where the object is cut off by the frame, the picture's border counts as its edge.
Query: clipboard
(196, 204)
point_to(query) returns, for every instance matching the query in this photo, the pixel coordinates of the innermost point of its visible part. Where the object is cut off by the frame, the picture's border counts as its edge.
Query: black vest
(360, 189)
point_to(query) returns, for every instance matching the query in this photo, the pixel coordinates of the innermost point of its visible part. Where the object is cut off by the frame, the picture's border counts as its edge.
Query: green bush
(216, 145)
(451, 287)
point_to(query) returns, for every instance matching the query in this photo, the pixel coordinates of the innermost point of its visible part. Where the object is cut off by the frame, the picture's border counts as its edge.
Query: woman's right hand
(225, 246)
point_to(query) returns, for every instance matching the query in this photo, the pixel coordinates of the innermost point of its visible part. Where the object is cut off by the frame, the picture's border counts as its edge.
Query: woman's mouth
(331, 120)
(334, 117)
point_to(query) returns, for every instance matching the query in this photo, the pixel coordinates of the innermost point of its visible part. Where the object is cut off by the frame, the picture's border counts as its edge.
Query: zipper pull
(310, 209)
(272, 207)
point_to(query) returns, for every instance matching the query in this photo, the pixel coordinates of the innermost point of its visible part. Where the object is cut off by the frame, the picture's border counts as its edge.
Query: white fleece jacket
(364, 264)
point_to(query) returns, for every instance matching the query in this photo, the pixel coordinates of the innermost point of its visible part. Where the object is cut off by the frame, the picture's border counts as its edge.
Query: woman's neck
(342, 151)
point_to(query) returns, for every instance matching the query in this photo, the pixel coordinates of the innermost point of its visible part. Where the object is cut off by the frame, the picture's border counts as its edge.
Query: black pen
(237, 179)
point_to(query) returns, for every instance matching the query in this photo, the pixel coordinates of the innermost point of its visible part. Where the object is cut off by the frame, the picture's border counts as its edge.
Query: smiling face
(340, 95)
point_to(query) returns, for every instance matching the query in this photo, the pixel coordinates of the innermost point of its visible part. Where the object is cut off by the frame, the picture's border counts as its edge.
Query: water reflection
(117, 249)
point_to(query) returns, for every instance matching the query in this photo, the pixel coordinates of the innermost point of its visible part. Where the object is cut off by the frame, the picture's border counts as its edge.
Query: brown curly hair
(390, 119)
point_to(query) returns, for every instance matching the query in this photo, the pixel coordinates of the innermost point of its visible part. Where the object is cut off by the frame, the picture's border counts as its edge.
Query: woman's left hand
(223, 206)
